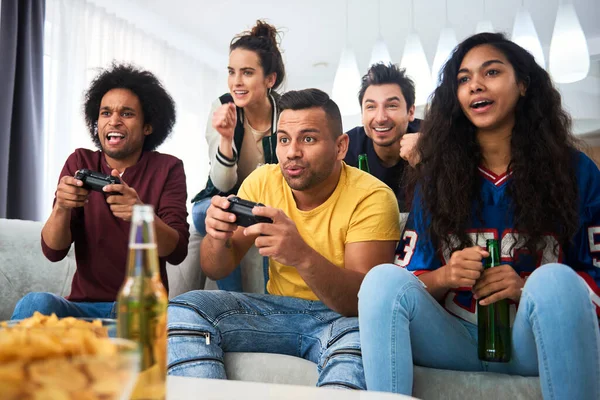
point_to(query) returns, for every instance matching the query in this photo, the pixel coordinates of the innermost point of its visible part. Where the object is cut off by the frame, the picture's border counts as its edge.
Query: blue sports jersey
(418, 255)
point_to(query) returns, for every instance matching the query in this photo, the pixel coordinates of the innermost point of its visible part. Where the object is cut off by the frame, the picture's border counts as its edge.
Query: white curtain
(81, 39)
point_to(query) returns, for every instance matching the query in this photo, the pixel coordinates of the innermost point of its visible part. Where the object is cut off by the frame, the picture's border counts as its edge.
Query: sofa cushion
(23, 267)
(270, 368)
(429, 383)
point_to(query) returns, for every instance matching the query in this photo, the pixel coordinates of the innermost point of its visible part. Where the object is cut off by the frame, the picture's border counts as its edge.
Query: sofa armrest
(23, 267)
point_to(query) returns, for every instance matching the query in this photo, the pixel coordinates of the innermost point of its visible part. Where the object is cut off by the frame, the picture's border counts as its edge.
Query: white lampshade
(380, 53)
(484, 26)
(446, 44)
(417, 68)
(347, 83)
(569, 55)
(525, 35)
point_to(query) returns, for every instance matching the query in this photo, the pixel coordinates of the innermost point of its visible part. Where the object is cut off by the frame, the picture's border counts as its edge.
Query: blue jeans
(232, 282)
(48, 303)
(555, 333)
(249, 322)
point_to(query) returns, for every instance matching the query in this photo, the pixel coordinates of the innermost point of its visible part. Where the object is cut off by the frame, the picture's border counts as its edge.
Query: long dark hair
(543, 187)
(262, 40)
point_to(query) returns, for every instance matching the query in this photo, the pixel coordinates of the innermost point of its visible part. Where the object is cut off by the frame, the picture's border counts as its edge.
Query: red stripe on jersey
(492, 177)
(471, 308)
(593, 288)
(418, 272)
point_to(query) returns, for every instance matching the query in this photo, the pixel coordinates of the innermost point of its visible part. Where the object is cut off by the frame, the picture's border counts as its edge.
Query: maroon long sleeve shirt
(101, 239)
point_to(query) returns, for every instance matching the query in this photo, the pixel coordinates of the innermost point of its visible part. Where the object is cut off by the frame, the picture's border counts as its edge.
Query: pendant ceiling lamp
(347, 79)
(415, 62)
(569, 54)
(525, 35)
(485, 25)
(380, 51)
(446, 44)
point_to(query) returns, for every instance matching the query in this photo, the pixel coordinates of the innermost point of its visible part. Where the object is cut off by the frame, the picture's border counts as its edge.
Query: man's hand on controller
(121, 205)
(280, 239)
(70, 194)
(220, 223)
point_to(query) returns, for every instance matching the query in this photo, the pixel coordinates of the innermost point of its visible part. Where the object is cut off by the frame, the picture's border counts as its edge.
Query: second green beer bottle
(493, 321)
(363, 163)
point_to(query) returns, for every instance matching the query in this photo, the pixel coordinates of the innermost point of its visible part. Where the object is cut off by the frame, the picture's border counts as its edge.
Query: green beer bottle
(142, 306)
(363, 164)
(493, 321)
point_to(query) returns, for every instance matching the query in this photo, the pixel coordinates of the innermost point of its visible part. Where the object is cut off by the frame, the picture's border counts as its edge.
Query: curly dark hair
(543, 187)
(157, 105)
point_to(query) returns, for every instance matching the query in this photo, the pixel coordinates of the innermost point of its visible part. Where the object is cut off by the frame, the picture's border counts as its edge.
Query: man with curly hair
(128, 114)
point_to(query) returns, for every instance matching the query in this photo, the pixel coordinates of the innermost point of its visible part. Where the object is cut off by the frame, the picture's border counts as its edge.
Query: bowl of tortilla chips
(44, 357)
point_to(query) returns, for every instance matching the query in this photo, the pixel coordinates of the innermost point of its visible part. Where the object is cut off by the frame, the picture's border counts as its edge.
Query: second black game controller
(243, 212)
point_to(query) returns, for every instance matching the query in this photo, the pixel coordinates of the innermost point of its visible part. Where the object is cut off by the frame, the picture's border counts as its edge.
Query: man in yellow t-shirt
(331, 223)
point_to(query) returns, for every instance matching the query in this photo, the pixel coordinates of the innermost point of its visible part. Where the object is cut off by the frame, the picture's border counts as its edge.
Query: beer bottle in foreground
(142, 306)
(363, 164)
(493, 321)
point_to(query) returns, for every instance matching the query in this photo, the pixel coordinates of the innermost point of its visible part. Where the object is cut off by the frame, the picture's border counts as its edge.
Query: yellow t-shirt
(361, 209)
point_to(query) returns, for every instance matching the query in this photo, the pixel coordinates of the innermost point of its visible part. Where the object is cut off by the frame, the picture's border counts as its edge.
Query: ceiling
(314, 32)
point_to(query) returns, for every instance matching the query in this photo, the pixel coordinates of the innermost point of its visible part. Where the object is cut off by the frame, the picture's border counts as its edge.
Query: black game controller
(96, 180)
(243, 212)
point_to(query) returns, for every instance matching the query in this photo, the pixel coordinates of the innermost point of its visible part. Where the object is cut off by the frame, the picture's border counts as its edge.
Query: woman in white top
(241, 133)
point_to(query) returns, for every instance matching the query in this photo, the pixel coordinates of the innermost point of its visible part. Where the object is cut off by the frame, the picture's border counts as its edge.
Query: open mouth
(293, 170)
(480, 104)
(115, 138)
(383, 129)
(240, 92)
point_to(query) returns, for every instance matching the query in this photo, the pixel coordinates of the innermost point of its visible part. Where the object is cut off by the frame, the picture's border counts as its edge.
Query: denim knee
(554, 279)
(45, 303)
(340, 364)
(552, 283)
(193, 344)
(182, 313)
(381, 285)
(210, 305)
(199, 215)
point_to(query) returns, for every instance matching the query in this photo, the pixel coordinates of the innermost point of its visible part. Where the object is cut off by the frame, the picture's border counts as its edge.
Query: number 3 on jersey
(594, 238)
(410, 238)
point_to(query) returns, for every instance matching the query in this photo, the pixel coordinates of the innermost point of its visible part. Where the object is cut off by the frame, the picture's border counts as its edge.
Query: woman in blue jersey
(498, 160)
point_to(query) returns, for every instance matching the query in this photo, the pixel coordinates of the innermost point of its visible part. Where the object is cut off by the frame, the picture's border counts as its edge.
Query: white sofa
(23, 268)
